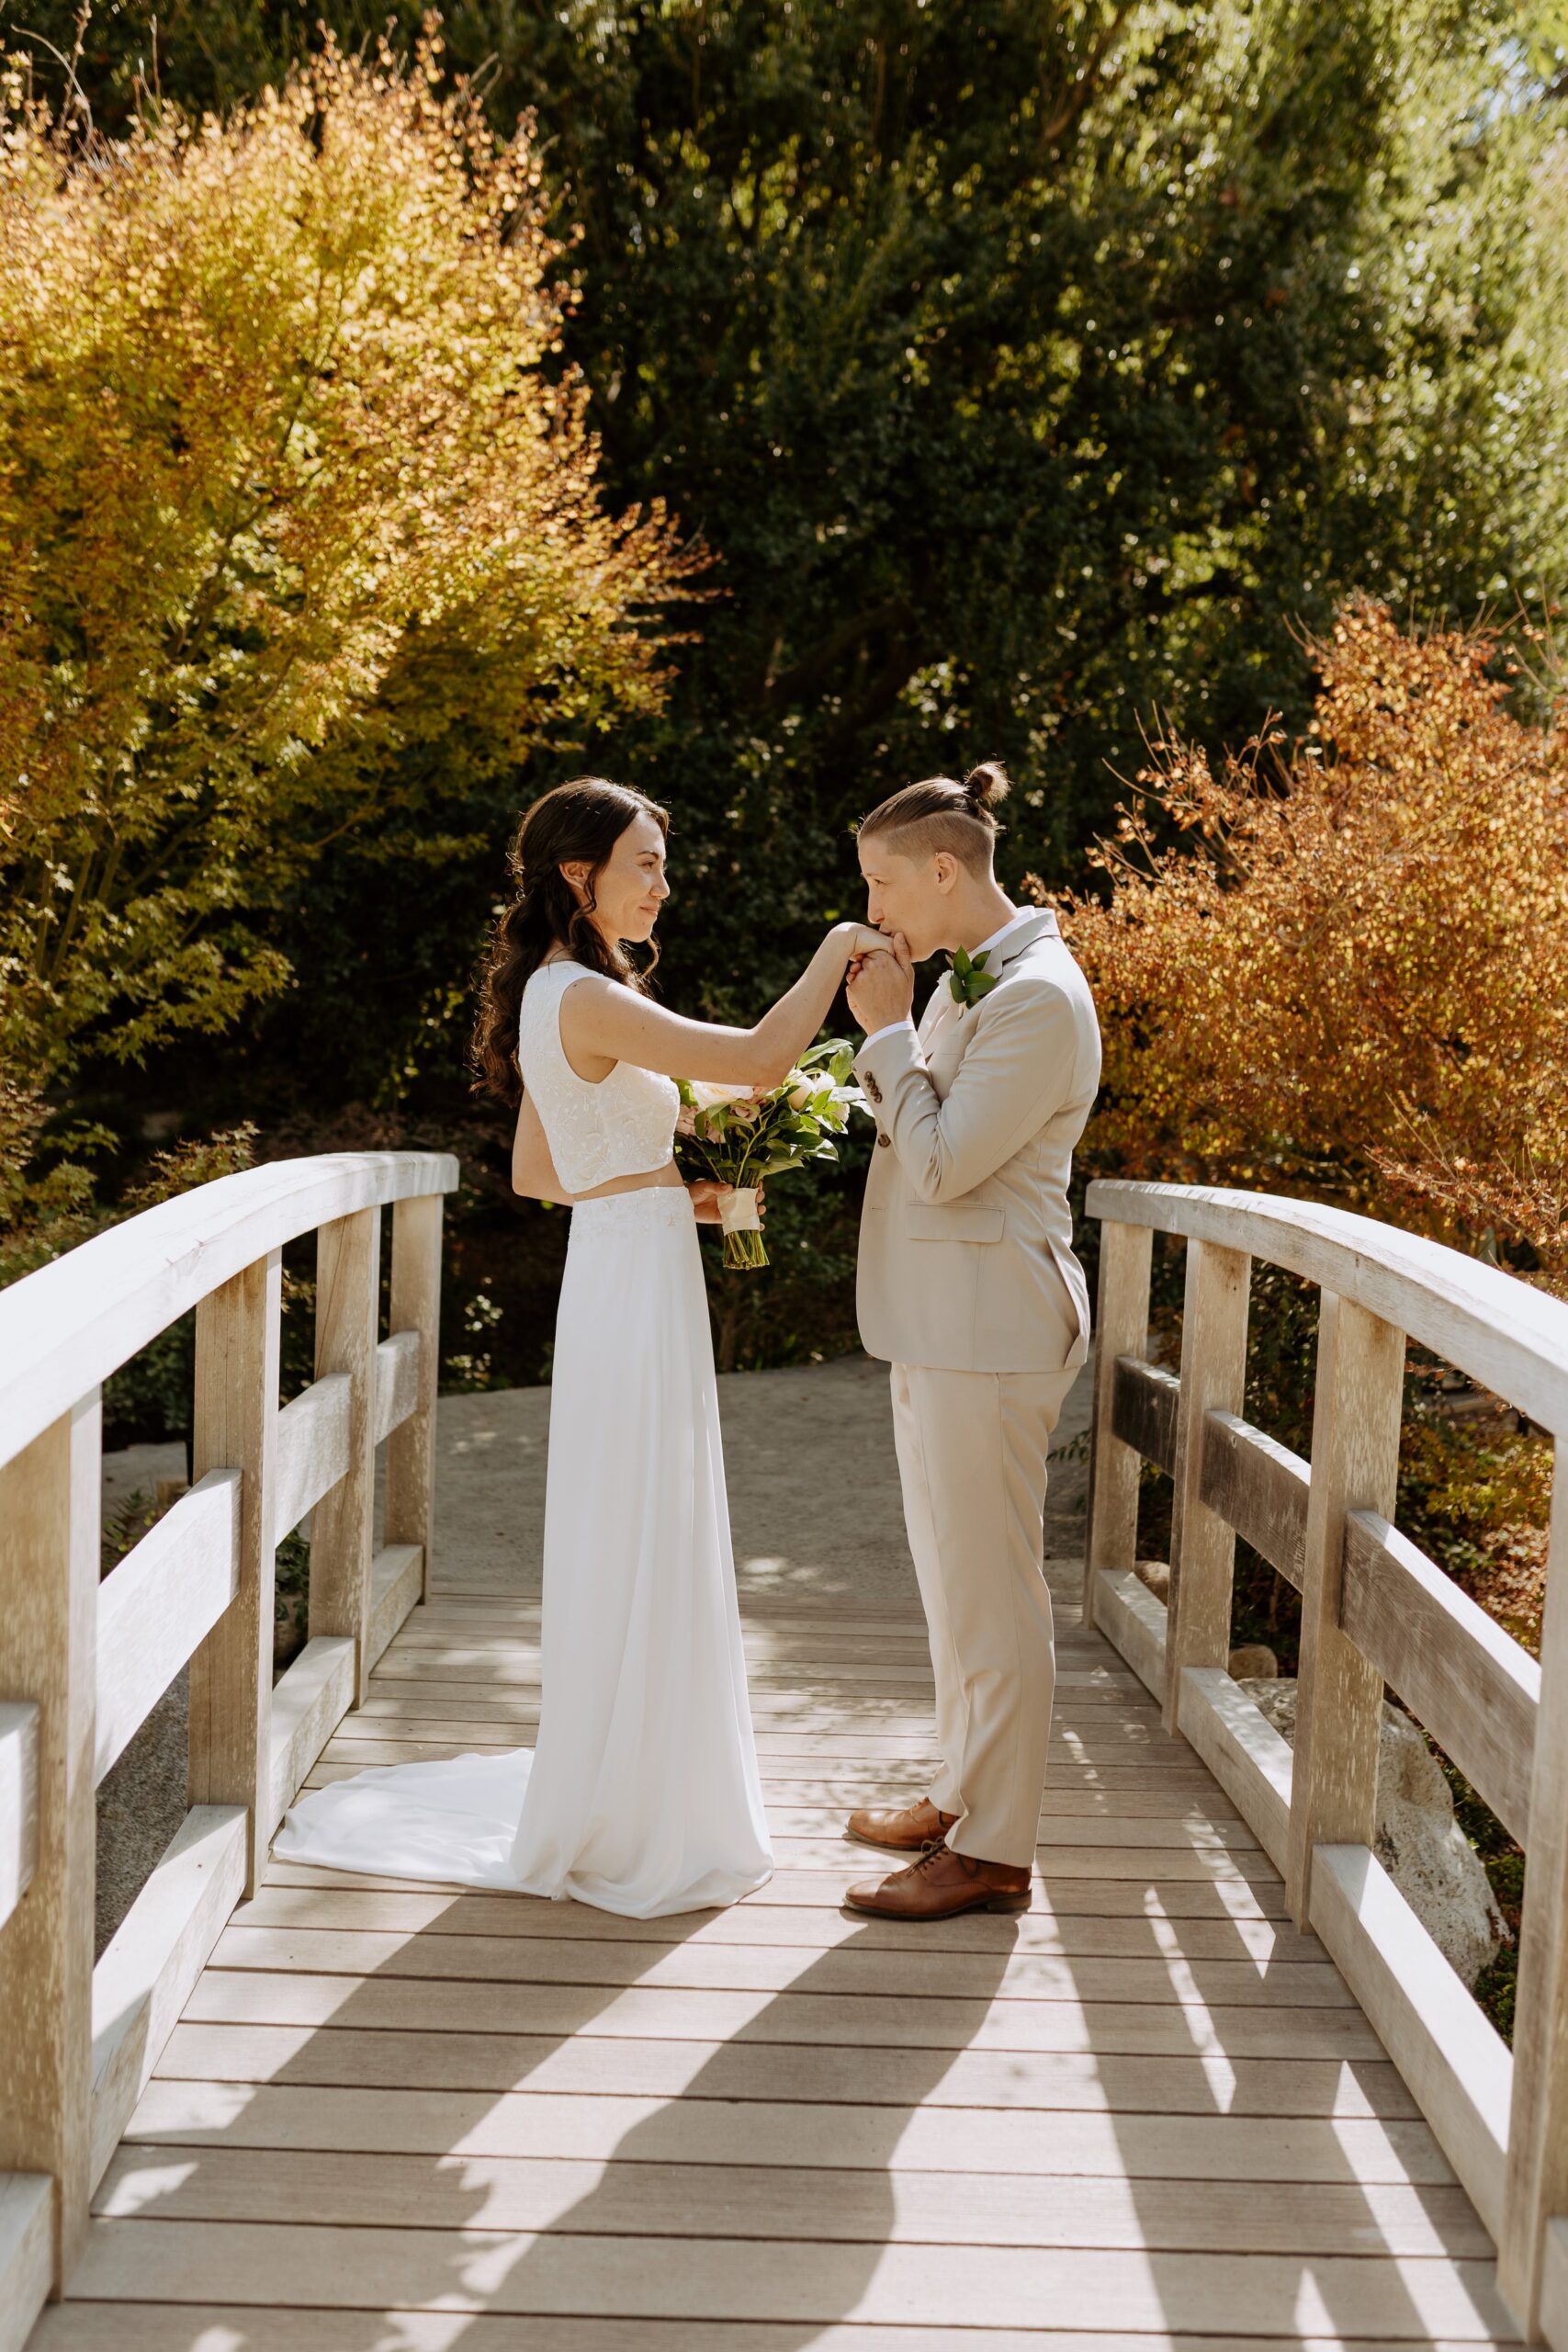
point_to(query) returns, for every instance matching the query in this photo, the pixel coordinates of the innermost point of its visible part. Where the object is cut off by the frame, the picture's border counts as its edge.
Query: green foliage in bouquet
(741, 1139)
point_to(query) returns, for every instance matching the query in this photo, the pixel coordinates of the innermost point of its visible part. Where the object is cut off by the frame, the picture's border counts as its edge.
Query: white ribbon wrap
(738, 1210)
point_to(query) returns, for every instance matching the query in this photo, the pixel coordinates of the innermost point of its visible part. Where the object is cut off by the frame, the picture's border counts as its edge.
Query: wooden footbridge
(1216, 2086)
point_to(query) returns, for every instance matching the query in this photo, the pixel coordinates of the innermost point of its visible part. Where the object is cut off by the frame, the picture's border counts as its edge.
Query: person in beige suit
(968, 1286)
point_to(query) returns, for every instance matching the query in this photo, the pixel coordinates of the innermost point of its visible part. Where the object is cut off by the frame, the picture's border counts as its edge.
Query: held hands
(881, 983)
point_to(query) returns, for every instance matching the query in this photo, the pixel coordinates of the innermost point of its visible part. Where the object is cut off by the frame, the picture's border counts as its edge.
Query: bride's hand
(858, 941)
(707, 1193)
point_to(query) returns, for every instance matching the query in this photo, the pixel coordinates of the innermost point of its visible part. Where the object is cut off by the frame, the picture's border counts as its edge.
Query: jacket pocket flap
(961, 1222)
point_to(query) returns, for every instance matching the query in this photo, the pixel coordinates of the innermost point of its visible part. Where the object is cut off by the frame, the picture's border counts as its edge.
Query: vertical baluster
(49, 1616)
(234, 1428)
(1202, 1544)
(1537, 2184)
(416, 1306)
(1122, 1329)
(348, 1271)
(1354, 1466)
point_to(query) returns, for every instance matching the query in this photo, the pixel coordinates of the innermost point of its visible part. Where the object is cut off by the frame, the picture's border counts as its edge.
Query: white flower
(686, 1119)
(803, 1084)
(709, 1096)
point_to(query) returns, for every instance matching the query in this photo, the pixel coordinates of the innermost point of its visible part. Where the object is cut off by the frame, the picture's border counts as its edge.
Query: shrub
(290, 486)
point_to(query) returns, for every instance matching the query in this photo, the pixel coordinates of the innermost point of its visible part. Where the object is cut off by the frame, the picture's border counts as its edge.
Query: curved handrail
(1498, 1329)
(67, 1326)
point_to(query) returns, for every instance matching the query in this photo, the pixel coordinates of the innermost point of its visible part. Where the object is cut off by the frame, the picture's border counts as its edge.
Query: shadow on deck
(395, 2119)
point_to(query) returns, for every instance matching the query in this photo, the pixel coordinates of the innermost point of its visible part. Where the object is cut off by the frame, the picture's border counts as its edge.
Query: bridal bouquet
(726, 1133)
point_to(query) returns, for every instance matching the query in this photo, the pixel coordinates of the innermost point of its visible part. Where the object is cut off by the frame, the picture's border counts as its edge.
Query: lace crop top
(621, 1127)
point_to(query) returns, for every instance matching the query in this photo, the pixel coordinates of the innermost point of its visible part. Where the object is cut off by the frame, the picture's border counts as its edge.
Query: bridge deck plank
(1144, 2117)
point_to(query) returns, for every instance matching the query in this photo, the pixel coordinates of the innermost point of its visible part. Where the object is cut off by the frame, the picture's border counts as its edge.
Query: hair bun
(987, 784)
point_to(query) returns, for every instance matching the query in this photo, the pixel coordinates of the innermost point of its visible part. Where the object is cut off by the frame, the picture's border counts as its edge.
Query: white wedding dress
(642, 1794)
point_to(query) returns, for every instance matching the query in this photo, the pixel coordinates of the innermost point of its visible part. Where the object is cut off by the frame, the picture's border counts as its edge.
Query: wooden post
(1202, 1544)
(234, 1428)
(1122, 1329)
(48, 1620)
(348, 1284)
(1354, 1466)
(1535, 2188)
(416, 1306)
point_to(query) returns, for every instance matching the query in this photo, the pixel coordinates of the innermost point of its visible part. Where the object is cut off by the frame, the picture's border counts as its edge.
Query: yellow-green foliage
(285, 486)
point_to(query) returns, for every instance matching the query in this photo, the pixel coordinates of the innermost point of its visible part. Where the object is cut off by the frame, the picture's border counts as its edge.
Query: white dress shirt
(1021, 915)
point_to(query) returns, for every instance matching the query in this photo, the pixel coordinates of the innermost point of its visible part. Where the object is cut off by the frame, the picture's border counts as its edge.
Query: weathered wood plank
(163, 1599)
(1537, 2185)
(1477, 1692)
(493, 2022)
(188, 2327)
(18, 1803)
(320, 1949)
(657, 2199)
(308, 1704)
(397, 1383)
(415, 1307)
(1144, 1405)
(1131, 1617)
(1042, 2142)
(587, 2064)
(1457, 2064)
(49, 1610)
(1260, 1486)
(1201, 1896)
(397, 1578)
(146, 1975)
(1122, 1329)
(1244, 1751)
(1355, 1465)
(348, 1278)
(1054, 1928)
(311, 1450)
(235, 1428)
(1202, 1541)
(1090, 1791)
(1554, 2285)
(746, 2279)
(27, 2252)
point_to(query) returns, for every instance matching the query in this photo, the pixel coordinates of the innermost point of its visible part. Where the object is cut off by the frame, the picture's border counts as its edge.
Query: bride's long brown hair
(578, 823)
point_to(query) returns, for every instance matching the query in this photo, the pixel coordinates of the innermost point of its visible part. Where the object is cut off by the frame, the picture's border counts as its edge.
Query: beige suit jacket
(967, 1256)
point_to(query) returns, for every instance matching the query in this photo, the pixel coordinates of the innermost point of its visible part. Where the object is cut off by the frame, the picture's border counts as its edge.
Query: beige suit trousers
(972, 1449)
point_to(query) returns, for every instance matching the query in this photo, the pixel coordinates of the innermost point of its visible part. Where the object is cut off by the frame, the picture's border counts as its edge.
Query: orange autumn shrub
(1346, 975)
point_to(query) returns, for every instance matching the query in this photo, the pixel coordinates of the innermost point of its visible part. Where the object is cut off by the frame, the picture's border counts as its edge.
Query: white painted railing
(81, 1662)
(1374, 1610)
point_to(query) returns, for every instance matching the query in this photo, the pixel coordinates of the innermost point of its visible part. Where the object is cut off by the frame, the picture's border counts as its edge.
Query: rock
(1155, 1574)
(1254, 1659)
(1417, 1841)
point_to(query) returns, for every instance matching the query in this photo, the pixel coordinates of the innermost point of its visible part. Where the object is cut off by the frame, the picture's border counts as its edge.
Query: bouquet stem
(744, 1250)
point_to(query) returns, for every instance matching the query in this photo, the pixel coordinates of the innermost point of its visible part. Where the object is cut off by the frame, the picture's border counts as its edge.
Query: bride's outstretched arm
(602, 1019)
(533, 1170)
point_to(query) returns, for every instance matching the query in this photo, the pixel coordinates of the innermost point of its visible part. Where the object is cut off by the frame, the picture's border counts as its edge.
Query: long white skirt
(642, 1794)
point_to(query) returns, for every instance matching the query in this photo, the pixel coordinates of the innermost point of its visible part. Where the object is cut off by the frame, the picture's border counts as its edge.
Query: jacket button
(881, 1139)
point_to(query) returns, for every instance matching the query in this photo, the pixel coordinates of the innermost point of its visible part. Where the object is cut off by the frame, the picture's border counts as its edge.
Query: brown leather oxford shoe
(905, 1831)
(941, 1885)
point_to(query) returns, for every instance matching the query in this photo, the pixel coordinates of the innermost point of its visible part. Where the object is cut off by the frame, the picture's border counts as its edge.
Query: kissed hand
(882, 985)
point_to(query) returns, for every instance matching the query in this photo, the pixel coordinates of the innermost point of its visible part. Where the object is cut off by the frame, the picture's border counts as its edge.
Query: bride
(642, 1794)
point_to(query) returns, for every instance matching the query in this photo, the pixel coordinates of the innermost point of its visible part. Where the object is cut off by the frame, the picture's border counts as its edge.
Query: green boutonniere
(968, 978)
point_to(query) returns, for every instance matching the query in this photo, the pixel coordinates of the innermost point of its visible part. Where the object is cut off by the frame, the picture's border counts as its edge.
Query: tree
(289, 493)
(1349, 975)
